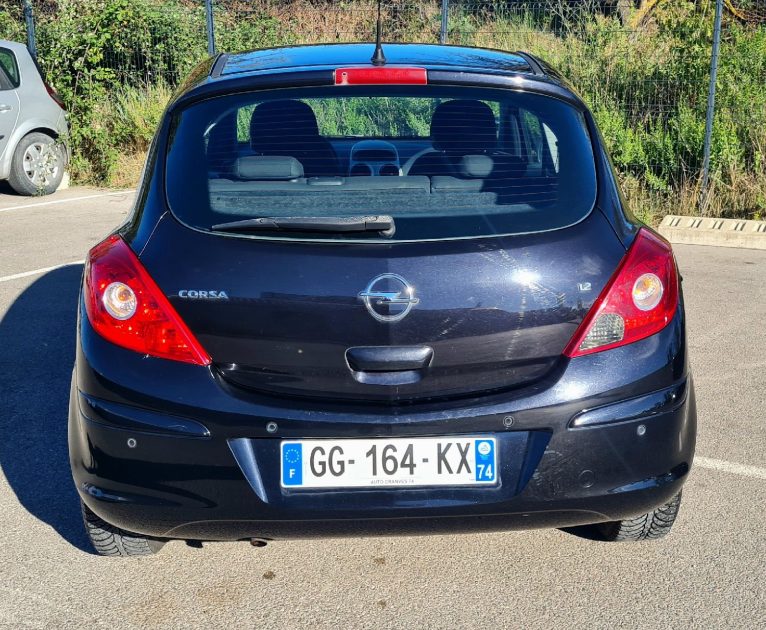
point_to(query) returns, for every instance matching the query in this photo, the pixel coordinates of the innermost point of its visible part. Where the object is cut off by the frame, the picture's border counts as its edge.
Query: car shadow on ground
(37, 350)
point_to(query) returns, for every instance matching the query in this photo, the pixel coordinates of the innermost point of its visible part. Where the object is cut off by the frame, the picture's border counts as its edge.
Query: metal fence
(653, 95)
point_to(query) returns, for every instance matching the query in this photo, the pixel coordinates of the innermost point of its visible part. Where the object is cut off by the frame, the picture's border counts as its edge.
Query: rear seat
(268, 167)
(267, 172)
(474, 171)
(256, 173)
(502, 175)
(479, 174)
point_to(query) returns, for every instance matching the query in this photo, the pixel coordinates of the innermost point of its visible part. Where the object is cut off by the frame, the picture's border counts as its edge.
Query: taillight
(388, 75)
(54, 95)
(638, 301)
(125, 306)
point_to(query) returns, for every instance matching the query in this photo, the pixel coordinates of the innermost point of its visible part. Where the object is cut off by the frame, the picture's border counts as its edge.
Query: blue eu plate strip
(292, 464)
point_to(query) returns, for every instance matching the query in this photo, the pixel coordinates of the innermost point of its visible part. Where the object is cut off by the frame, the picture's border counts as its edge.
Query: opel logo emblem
(389, 297)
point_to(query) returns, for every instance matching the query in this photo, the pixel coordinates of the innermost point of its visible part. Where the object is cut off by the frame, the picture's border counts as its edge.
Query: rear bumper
(607, 436)
(162, 482)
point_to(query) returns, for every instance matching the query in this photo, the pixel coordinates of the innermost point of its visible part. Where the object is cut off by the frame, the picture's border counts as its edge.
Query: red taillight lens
(126, 307)
(638, 301)
(390, 75)
(54, 95)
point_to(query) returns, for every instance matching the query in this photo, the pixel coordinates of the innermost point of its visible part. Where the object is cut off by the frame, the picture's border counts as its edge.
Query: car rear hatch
(493, 257)
(287, 318)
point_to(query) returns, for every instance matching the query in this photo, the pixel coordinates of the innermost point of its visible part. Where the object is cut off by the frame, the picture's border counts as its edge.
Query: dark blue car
(363, 297)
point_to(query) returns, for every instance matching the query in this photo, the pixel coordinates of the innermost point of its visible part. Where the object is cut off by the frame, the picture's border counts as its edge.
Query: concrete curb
(718, 232)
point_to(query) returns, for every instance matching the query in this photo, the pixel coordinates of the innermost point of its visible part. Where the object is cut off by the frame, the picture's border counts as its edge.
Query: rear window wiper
(383, 224)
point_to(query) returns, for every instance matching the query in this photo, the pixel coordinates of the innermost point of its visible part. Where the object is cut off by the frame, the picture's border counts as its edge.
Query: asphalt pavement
(710, 572)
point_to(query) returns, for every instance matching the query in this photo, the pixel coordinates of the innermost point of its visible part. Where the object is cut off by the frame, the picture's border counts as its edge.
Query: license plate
(402, 462)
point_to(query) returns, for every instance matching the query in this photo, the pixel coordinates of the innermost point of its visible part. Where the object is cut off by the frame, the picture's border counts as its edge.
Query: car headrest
(476, 166)
(276, 123)
(268, 167)
(463, 126)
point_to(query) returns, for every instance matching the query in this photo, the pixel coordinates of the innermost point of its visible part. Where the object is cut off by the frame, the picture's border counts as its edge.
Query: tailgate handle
(389, 358)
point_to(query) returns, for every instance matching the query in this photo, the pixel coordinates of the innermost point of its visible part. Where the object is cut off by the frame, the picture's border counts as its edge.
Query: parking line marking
(56, 201)
(35, 272)
(731, 467)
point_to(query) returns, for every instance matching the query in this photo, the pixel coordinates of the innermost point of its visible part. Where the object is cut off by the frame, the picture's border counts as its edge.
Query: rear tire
(37, 167)
(650, 526)
(109, 540)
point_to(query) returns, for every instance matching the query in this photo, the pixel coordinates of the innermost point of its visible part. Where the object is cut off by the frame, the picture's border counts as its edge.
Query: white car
(33, 125)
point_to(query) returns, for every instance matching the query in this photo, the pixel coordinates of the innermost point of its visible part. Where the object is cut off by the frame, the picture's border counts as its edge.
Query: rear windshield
(437, 162)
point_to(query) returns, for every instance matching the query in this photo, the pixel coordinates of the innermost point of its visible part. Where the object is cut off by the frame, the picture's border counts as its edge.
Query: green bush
(12, 22)
(92, 50)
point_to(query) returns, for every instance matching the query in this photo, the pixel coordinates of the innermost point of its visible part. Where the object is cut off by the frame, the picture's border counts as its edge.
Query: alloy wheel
(41, 163)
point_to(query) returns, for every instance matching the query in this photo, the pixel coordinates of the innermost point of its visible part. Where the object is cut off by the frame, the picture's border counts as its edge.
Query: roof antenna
(378, 58)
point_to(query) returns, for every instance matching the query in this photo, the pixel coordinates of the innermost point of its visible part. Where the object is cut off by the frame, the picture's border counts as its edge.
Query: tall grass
(130, 119)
